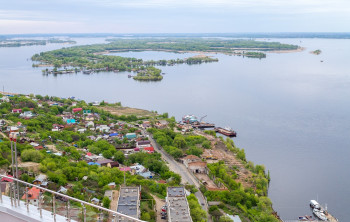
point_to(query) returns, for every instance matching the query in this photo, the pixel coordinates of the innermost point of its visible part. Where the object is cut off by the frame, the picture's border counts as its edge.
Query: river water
(290, 110)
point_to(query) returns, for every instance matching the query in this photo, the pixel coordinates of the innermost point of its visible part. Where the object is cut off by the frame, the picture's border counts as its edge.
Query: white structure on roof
(5, 99)
(90, 124)
(103, 128)
(26, 114)
(129, 203)
(81, 130)
(178, 208)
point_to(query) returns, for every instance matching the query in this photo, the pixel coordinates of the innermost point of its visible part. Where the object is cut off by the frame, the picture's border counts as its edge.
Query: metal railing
(14, 194)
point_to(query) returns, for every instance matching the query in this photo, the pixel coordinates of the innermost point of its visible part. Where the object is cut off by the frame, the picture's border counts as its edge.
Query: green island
(148, 74)
(316, 52)
(50, 143)
(213, 45)
(30, 42)
(95, 58)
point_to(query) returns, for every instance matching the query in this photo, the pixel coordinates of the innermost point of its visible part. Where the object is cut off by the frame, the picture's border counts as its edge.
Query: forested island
(149, 74)
(30, 42)
(95, 58)
(215, 45)
(316, 52)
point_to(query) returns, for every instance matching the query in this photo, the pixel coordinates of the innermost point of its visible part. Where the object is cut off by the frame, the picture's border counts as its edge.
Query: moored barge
(203, 125)
(226, 131)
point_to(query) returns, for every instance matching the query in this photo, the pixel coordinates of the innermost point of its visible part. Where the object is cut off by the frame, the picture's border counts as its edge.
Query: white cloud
(335, 4)
(30, 26)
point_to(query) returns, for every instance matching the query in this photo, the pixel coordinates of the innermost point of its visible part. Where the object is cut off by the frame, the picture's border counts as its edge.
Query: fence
(96, 213)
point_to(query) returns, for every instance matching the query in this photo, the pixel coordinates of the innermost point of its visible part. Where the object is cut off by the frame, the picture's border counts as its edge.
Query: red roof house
(77, 110)
(16, 110)
(38, 147)
(149, 149)
(33, 194)
(6, 179)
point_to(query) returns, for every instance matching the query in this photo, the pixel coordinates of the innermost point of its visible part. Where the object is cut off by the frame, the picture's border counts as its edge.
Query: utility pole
(13, 139)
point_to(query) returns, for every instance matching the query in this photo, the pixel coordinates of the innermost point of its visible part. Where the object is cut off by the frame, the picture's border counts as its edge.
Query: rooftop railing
(88, 211)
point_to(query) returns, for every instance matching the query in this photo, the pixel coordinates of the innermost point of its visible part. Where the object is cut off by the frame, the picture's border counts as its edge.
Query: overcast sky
(173, 16)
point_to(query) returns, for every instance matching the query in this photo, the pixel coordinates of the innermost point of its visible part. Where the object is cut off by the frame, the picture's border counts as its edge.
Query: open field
(118, 110)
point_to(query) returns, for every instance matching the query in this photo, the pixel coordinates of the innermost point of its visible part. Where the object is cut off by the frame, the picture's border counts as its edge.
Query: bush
(31, 155)
(106, 202)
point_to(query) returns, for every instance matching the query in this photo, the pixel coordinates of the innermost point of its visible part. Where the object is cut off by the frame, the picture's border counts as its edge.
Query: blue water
(291, 110)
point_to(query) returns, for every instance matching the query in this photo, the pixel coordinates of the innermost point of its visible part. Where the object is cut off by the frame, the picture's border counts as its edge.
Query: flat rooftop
(178, 209)
(129, 202)
(176, 192)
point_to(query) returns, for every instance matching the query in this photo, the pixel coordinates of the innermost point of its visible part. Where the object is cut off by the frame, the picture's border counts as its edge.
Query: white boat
(320, 214)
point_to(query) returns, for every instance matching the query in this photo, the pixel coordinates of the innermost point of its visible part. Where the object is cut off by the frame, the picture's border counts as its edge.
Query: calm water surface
(291, 110)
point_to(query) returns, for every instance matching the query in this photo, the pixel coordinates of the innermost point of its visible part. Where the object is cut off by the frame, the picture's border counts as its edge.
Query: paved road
(179, 168)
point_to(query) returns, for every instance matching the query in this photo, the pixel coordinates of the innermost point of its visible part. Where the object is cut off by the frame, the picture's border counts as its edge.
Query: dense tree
(31, 155)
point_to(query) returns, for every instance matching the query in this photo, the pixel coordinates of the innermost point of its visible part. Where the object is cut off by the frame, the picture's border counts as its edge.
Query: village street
(180, 169)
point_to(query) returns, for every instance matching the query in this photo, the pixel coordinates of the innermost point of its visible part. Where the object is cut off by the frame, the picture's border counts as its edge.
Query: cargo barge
(203, 125)
(226, 131)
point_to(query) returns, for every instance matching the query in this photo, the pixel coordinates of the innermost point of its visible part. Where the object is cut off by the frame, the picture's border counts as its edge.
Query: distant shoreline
(300, 49)
(201, 53)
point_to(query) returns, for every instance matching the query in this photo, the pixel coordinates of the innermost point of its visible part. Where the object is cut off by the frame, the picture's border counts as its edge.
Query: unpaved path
(159, 204)
(4, 135)
(52, 147)
(114, 202)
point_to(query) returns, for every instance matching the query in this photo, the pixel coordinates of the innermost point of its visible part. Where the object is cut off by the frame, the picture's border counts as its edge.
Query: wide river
(291, 111)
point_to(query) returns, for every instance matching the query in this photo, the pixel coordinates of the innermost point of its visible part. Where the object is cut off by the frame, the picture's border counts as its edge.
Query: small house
(5, 99)
(113, 134)
(125, 169)
(149, 149)
(90, 124)
(71, 121)
(95, 201)
(112, 185)
(108, 163)
(33, 196)
(62, 190)
(190, 159)
(75, 110)
(2, 123)
(198, 167)
(89, 117)
(96, 103)
(143, 143)
(7, 179)
(39, 147)
(81, 130)
(27, 114)
(103, 128)
(146, 174)
(44, 184)
(94, 163)
(161, 124)
(17, 111)
(130, 136)
(40, 179)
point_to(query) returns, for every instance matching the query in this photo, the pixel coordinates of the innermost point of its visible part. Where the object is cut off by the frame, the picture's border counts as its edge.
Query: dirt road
(159, 204)
(179, 168)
